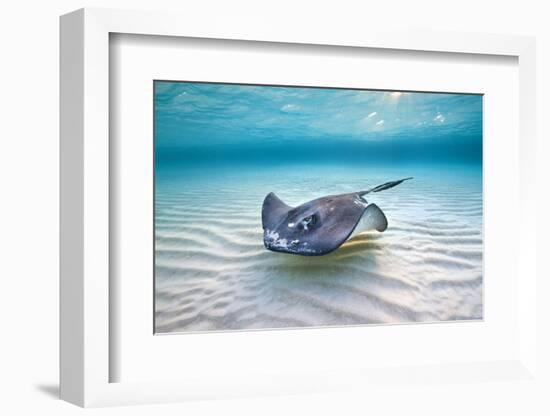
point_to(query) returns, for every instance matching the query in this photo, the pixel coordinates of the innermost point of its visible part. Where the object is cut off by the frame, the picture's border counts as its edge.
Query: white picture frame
(85, 207)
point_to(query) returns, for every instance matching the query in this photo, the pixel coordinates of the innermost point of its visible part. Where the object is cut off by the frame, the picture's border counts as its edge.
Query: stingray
(322, 225)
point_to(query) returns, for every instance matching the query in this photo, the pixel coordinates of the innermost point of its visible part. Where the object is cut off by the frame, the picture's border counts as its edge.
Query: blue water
(221, 148)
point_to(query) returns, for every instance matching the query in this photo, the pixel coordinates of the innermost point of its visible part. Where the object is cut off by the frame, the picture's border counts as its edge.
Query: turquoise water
(220, 149)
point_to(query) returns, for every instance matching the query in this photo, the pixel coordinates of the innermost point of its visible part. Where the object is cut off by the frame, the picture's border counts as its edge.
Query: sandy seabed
(212, 271)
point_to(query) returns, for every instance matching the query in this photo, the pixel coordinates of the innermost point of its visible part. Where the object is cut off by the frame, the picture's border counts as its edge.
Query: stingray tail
(383, 187)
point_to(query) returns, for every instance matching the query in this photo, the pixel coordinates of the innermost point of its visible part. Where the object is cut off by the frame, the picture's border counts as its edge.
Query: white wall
(29, 207)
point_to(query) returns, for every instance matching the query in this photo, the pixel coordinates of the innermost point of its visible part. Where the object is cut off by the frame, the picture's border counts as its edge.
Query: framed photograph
(291, 197)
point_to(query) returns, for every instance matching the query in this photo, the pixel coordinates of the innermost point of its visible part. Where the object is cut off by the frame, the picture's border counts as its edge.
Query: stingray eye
(308, 222)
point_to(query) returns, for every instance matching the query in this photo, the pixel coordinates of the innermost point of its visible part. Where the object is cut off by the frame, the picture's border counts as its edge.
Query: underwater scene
(292, 207)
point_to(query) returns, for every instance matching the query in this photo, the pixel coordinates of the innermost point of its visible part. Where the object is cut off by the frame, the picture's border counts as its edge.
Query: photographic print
(296, 207)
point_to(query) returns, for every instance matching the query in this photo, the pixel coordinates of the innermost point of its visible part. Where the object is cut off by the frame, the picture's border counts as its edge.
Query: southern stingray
(322, 225)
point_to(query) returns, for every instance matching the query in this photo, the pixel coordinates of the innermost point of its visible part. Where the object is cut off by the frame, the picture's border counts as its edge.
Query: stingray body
(322, 225)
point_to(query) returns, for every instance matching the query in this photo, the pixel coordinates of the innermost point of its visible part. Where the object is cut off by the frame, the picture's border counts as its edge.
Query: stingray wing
(274, 211)
(373, 218)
